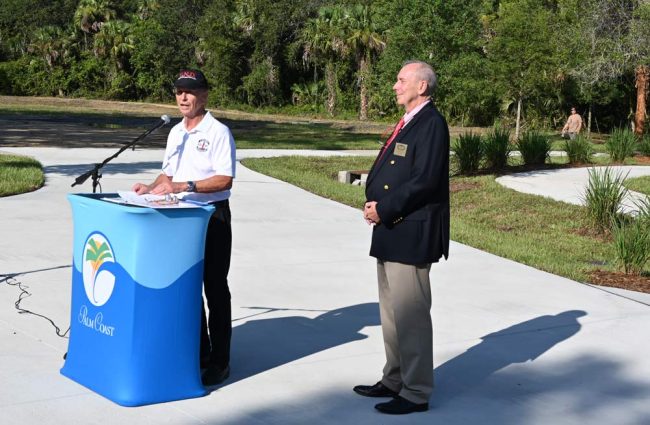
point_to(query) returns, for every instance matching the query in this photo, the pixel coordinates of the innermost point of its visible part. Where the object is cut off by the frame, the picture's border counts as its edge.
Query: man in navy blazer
(407, 192)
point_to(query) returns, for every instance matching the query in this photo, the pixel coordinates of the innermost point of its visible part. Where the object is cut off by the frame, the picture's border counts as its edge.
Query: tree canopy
(518, 62)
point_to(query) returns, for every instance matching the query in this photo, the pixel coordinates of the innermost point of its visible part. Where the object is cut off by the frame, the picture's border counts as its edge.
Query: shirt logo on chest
(202, 145)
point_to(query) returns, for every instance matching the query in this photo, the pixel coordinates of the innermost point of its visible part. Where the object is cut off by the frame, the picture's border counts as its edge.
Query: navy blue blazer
(410, 183)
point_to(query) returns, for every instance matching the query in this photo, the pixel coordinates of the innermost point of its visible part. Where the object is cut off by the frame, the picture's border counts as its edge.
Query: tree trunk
(641, 74)
(363, 90)
(330, 81)
(518, 126)
(589, 121)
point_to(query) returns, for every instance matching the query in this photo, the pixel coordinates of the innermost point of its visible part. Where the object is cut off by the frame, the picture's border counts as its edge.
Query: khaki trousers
(405, 310)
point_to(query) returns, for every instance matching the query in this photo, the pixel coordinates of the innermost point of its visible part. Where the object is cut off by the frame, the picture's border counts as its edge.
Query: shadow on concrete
(73, 170)
(260, 345)
(580, 390)
(519, 343)
(95, 131)
(469, 389)
(106, 131)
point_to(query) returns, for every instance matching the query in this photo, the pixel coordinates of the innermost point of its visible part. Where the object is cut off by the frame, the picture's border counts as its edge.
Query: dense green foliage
(520, 62)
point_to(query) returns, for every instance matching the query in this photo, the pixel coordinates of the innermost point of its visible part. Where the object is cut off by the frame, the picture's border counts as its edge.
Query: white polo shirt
(205, 151)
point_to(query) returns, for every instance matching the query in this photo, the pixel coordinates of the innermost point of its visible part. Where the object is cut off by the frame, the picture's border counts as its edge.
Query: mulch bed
(642, 160)
(455, 186)
(620, 280)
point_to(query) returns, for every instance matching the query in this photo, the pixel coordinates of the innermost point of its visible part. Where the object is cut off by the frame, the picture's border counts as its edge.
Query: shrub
(643, 209)
(620, 144)
(632, 244)
(534, 147)
(309, 96)
(496, 148)
(121, 86)
(603, 197)
(644, 145)
(468, 151)
(262, 85)
(578, 150)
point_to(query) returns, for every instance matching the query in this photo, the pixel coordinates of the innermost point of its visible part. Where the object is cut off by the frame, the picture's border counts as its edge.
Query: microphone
(164, 120)
(95, 171)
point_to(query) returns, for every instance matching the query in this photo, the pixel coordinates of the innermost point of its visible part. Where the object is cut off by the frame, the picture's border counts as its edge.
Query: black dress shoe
(401, 406)
(377, 390)
(214, 375)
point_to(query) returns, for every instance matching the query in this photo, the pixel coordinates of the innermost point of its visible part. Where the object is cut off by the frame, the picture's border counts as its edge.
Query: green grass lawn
(638, 184)
(537, 231)
(19, 174)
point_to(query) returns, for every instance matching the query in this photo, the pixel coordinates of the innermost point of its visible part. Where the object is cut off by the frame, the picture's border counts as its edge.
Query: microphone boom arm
(95, 171)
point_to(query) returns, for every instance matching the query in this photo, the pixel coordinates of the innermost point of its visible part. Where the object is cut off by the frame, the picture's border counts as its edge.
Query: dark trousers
(216, 330)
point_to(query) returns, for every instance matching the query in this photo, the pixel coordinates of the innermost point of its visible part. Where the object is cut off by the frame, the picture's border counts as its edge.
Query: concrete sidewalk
(568, 184)
(513, 345)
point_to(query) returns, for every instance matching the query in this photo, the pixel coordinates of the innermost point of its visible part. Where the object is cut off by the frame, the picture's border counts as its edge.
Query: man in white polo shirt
(199, 164)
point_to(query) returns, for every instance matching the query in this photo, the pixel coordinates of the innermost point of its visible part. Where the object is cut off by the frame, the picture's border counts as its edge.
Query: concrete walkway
(513, 345)
(568, 184)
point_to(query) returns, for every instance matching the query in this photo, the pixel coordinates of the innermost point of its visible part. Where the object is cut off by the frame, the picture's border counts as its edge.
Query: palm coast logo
(98, 282)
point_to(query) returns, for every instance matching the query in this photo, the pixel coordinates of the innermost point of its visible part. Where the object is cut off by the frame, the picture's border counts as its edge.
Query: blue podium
(136, 300)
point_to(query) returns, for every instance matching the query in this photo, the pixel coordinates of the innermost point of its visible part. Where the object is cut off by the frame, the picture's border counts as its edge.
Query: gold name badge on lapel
(400, 149)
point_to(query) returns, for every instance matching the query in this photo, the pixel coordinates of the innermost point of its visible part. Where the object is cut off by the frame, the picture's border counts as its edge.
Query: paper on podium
(153, 201)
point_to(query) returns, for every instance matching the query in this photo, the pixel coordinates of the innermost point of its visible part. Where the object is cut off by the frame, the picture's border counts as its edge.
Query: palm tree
(47, 42)
(639, 41)
(365, 42)
(147, 7)
(53, 44)
(114, 41)
(322, 39)
(92, 14)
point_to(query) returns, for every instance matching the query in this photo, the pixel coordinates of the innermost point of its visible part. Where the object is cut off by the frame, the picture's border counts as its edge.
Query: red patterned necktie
(398, 127)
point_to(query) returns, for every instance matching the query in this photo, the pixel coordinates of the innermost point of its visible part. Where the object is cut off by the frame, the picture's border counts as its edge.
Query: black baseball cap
(191, 79)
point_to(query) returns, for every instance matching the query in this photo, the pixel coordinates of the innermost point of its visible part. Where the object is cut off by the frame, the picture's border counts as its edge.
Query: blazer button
(386, 187)
(392, 162)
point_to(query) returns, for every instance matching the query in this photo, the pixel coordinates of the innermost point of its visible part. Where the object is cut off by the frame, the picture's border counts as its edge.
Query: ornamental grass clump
(579, 150)
(632, 244)
(620, 144)
(603, 197)
(643, 209)
(468, 151)
(496, 148)
(644, 145)
(534, 148)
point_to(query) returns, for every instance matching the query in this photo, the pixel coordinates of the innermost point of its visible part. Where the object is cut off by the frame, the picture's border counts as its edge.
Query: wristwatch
(191, 186)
